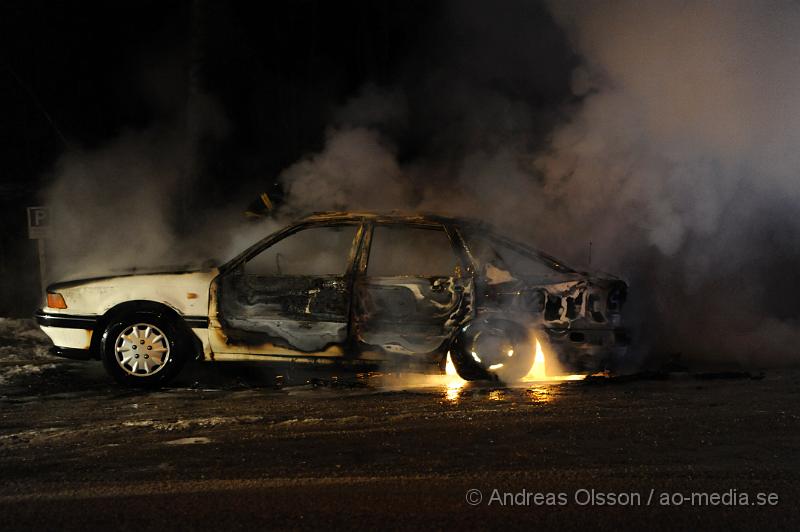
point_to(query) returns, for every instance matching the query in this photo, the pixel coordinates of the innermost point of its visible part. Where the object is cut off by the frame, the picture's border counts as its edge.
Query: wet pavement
(224, 447)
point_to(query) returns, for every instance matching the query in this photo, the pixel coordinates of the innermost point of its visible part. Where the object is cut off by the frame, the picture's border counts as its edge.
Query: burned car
(349, 290)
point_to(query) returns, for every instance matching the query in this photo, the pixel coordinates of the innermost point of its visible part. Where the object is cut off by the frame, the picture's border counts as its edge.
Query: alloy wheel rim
(142, 350)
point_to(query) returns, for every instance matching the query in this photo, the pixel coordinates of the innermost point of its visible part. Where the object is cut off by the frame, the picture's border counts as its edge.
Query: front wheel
(143, 349)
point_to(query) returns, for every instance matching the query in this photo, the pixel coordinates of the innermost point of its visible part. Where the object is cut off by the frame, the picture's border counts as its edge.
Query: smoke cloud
(116, 205)
(676, 157)
(681, 158)
(672, 149)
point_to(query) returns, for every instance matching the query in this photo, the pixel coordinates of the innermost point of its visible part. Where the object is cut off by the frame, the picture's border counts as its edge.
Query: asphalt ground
(225, 448)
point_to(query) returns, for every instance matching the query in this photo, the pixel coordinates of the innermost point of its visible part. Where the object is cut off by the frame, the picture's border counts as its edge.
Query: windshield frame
(468, 233)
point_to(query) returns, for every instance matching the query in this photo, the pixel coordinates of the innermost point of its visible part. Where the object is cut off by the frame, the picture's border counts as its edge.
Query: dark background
(76, 75)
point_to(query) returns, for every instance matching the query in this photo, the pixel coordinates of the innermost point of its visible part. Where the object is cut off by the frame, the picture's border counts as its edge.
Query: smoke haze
(682, 159)
(673, 149)
(677, 159)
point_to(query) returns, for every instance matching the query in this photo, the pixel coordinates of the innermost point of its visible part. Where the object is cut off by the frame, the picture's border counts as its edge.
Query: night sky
(276, 71)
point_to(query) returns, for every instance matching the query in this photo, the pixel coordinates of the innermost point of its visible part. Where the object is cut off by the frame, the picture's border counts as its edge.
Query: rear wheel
(493, 351)
(143, 349)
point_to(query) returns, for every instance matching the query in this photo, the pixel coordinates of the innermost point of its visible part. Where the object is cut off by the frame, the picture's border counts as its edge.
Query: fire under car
(361, 291)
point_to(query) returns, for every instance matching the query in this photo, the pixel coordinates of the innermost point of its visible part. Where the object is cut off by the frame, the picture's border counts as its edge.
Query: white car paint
(69, 338)
(186, 293)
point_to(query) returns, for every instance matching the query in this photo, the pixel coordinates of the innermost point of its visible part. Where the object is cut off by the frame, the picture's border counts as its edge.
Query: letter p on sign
(38, 222)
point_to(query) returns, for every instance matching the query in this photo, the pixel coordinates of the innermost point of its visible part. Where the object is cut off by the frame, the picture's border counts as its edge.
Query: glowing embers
(541, 394)
(538, 372)
(496, 395)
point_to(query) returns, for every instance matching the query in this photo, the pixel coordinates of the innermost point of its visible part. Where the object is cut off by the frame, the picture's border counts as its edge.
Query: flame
(450, 368)
(454, 382)
(538, 372)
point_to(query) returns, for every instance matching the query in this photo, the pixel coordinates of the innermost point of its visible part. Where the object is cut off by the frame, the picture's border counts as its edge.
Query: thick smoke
(674, 153)
(682, 159)
(121, 206)
(343, 175)
(677, 159)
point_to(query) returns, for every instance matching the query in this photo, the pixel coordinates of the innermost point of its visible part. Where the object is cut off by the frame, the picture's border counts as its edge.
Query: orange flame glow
(454, 382)
(538, 372)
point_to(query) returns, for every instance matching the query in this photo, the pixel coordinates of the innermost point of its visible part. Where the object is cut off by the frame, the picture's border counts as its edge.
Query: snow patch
(189, 441)
(185, 424)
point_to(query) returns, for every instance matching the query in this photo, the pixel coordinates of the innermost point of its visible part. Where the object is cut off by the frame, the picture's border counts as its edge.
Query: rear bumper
(588, 350)
(68, 332)
(588, 337)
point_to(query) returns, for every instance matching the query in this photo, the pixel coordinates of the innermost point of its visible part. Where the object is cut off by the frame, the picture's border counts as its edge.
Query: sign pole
(39, 229)
(42, 266)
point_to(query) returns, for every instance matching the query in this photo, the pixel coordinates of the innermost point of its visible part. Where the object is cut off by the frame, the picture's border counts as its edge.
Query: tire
(496, 351)
(143, 349)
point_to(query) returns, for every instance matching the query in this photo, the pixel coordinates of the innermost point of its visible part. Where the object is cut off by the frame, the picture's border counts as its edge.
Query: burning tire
(499, 351)
(143, 349)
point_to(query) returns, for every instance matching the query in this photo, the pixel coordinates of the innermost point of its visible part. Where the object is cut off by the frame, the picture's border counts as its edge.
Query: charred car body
(357, 290)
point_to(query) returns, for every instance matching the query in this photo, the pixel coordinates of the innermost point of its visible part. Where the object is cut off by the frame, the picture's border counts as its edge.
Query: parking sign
(38, 222)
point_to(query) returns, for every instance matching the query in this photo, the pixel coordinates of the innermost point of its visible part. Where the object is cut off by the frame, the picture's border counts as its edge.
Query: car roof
(391, 217)
(468, 224)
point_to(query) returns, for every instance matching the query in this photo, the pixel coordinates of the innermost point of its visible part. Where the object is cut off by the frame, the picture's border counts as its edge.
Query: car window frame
(237, 262)
(362, 261)
(547, 260)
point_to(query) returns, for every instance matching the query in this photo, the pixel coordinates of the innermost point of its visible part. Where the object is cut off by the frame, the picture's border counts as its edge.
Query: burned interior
(404, 290)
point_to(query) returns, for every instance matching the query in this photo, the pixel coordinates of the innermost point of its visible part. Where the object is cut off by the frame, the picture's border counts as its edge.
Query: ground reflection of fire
(540, 394)
(454, 384)
(496, 395)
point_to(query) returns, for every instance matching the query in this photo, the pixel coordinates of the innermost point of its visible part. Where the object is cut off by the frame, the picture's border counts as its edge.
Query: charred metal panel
(398, 318)
(410, 312)
(552, 307)
(408, 315)
(261, 312)
(302, 312)
(580, 315)
(317, 299)
(593, 307)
